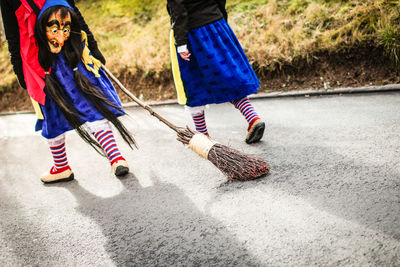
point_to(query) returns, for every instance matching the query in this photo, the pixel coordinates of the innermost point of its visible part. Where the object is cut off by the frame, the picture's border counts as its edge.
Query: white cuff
(97, 126)
(182, 48)
(195, 110)
(58, 140)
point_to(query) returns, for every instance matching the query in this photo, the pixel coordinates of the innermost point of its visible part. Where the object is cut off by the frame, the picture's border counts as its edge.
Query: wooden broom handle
(139, 102)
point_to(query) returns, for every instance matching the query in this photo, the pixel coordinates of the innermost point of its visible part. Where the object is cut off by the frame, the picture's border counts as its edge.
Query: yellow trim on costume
(89, 59)
(37, 109)
(176, 72)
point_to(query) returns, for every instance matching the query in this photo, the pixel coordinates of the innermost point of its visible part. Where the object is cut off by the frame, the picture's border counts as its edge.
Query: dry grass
(7, 76)
(283, 33)
(273, 33)
(133, 34)
(133, 40)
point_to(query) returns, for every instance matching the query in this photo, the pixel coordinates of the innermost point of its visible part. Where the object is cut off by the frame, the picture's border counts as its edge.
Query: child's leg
(200, 123)
(198, 116)
(59, 156)
(247, 110)
(107, 141)
(256, 127)
(61, 171)
(103, 133)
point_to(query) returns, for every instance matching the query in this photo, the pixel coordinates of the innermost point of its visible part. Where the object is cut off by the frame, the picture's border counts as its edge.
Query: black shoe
(256, 132)
(120, 168)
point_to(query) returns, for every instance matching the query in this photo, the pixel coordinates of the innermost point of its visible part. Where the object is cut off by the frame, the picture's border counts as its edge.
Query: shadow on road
(159, 225)
(21, 234)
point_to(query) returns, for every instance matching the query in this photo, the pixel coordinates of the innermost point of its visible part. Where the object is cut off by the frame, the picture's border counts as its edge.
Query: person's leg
(198, 116)
(61, 171)
(107, 141)
(200, 123)
(103, 133)
(256, 127)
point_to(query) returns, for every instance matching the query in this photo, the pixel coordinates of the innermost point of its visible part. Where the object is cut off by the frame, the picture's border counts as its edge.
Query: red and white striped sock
(59, 157)
(200, 123)
(107, 141)
(248, 111)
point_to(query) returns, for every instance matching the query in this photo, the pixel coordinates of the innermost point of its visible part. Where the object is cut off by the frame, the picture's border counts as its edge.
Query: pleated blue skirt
(218, 70)
(55, 123)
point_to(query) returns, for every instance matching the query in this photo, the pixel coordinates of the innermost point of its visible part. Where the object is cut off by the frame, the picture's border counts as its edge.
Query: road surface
(332, 197)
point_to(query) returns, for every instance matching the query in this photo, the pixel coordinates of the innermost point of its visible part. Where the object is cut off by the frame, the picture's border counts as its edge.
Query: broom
(233, 163)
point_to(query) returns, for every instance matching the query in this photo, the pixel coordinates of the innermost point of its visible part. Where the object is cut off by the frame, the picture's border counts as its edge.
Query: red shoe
(61, 175)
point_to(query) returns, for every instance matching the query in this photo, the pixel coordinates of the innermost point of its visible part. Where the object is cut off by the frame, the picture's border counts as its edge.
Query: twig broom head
(233, 163)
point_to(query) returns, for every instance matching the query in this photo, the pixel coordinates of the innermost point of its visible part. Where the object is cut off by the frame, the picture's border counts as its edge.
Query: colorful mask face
(58, 31)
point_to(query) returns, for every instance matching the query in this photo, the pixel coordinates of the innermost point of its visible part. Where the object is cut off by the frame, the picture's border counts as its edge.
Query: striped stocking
(107, 141)
(200, 123)
(248, 111)
(59, 157)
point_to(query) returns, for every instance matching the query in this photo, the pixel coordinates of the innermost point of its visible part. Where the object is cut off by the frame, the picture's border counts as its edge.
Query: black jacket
(190, 14)
(8, 9)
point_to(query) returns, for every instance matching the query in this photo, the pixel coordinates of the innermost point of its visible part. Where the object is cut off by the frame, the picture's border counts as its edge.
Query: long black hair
(73, 49)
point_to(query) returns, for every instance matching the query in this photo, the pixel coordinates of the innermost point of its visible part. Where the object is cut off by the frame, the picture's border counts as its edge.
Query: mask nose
(60, 38)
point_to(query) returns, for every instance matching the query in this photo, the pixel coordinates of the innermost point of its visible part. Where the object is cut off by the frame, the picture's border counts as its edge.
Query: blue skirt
(218, 70)
(55, 123)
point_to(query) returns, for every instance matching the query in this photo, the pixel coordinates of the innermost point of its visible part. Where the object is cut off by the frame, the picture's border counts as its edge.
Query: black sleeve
(91, 41)
(179, 20)
(221, 5)
(12, 35)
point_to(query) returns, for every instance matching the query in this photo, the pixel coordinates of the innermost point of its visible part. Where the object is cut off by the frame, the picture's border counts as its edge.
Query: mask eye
(53, 29)
(66, 30)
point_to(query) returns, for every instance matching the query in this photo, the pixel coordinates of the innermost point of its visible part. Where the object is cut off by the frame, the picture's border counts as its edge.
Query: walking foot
(255, 131)
(55, 176)
(120, 167)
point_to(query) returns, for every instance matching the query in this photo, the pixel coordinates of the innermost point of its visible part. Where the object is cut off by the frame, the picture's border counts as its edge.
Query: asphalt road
(332, 197)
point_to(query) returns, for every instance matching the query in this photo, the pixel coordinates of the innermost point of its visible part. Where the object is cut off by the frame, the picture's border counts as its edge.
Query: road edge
(306, 93)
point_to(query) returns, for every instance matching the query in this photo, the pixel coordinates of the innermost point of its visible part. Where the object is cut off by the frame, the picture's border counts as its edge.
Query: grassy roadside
(133, 35)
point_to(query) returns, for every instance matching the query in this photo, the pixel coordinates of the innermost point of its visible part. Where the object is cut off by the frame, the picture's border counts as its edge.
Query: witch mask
(58, 30)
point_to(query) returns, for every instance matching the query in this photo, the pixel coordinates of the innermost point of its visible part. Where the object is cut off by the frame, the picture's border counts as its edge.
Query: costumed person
(212, 66)
(57, 60)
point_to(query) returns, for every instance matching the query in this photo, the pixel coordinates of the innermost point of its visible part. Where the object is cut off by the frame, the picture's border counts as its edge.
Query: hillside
(292, 44)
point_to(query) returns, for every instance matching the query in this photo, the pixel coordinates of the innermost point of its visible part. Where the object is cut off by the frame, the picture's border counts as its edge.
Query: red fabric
(252, 122)
(56, 171)
(33, 72)
(117, 159)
